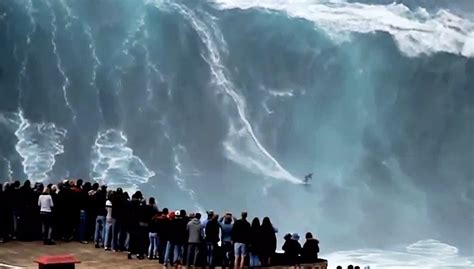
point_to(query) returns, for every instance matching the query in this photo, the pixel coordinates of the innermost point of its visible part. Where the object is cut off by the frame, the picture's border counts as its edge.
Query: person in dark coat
(120, 224)
(3, 215)
(177, 238)
(27, 212)
(310, 251)
(255, 243)
(212, 238)
(292, 249)
(98, 200)
(240, 237)
(163, 230)
(268, 242)
(133, 224)
(16, 208)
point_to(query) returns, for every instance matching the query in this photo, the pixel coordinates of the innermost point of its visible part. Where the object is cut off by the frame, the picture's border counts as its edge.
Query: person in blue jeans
(177, 238)
(109, 222)
(153, 247)
(212, 238)
(226, 223)
(99, 199)
(153, 236)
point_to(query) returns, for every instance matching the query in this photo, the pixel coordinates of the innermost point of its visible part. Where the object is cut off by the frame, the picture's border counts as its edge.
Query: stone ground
(22, 255)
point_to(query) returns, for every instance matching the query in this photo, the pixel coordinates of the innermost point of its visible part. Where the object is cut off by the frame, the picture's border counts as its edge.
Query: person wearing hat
(292, 249)
(177, 238)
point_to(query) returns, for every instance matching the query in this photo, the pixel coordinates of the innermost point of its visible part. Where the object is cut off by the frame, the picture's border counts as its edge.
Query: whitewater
(227, 104)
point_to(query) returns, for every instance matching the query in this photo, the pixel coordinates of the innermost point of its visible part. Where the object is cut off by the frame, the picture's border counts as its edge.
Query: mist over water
(227, 104)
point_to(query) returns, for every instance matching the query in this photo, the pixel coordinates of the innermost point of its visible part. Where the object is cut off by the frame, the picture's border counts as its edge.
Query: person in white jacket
(45, 202)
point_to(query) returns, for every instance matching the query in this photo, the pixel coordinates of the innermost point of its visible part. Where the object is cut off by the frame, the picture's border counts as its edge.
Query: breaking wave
(114, 163)
(415, 31)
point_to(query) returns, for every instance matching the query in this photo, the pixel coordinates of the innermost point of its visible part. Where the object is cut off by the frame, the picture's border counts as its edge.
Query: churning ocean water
(227, 104)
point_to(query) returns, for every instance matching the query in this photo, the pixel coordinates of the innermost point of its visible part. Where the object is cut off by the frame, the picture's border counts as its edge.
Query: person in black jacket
(16, 208)
(292, 249)
(153, 236)
(3, 215)
(212, 238)
(268, 242)
(120, 220)
(133, 223)
(310, 251)
(255, 243)
(240, 237)
(177, 238)
(163, 230)
(98, 200)
(27, 211)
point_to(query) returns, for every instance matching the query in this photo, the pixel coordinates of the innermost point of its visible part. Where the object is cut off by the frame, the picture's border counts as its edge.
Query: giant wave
(217, 104)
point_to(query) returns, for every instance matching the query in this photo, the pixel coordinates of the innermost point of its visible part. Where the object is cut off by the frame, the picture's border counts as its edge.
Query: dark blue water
(227, 106)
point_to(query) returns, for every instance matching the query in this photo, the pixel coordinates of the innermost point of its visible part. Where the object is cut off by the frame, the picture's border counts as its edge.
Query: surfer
(307, 178)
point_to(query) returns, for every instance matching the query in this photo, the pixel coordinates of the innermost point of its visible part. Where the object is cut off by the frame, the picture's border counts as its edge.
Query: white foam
(38, 145)
(179, 152)
(9, 169)
(275, 93)
(151, 68)
(71, 17)
(424, 254)
(114, 163)
(22, 73)
(97, 64)
(415, 31)
(241, 145)
(59, 65)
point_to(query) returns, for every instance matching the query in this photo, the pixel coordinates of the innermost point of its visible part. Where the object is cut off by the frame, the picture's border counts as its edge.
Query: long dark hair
(256, 223)
(267, 225)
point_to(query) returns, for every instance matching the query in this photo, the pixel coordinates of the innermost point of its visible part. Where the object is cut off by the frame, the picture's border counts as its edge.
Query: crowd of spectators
(73, 210)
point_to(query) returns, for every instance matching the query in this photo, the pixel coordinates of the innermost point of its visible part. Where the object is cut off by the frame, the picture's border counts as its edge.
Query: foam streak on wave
(126, 45)
(242, 146)
(178, 152)
(88, 33)
(38, 144)
(23, 69)
(114, 163)
(151, 68)
(9, 169)
(97, 63)
(65, 78)
(416, 31)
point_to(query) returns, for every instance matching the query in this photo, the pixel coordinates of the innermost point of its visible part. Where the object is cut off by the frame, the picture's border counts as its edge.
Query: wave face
(218, 104)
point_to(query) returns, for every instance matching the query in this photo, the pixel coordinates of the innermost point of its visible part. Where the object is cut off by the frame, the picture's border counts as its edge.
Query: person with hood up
(310, 251)
(194, 229)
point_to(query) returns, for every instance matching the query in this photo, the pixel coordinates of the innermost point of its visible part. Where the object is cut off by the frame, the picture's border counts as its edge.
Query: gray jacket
(194, 229)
